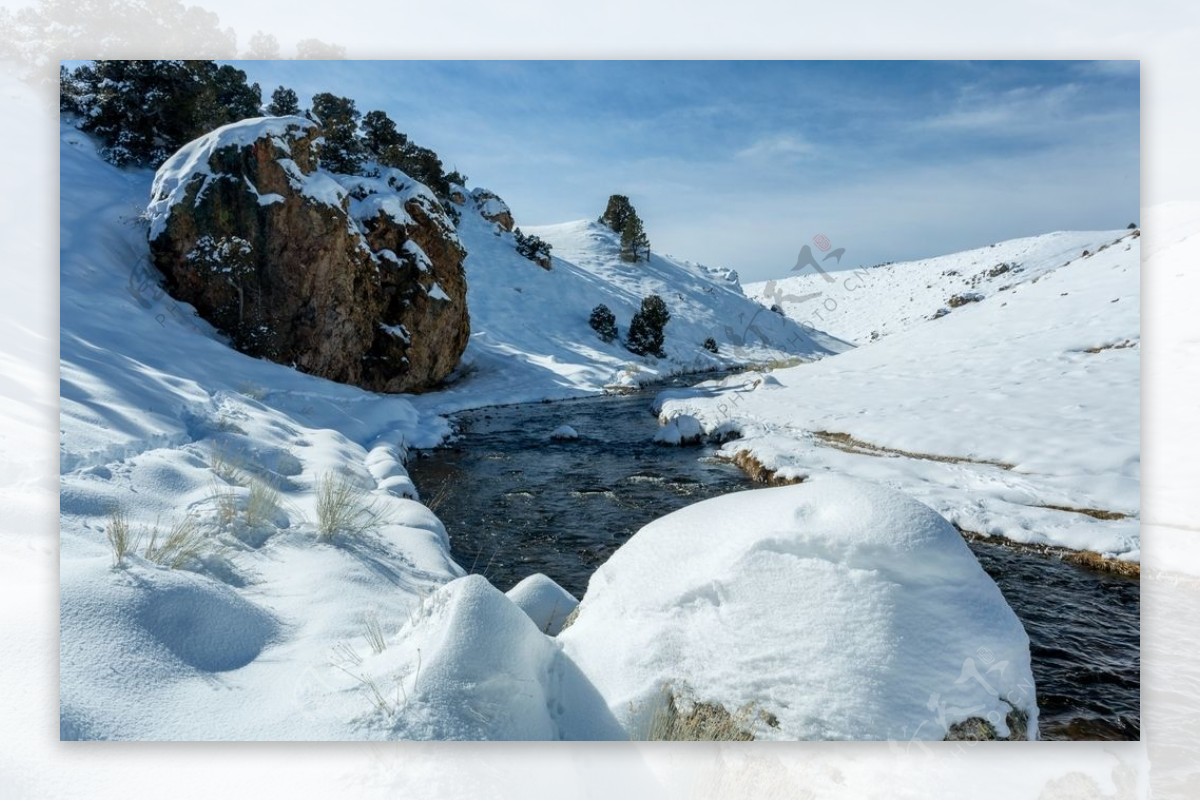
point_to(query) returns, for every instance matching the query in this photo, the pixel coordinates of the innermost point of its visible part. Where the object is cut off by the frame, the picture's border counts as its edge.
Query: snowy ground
(994, 414)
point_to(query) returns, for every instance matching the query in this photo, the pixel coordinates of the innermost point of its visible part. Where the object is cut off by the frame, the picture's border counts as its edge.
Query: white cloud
(778, 146)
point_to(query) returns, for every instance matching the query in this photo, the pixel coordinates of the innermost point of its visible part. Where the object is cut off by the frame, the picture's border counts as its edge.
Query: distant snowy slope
(864, 304)
(1015, 416)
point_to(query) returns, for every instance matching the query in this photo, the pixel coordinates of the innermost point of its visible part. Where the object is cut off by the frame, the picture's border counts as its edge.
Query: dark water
(516, 503)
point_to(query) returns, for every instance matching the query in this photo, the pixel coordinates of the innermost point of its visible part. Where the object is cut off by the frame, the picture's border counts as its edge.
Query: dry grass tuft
(225, 467)
(1099, 514)
(121, 539)
(373, 631)
(184, 541)
(225, 505)
(852, 444)
(344, 508)
(262, 504)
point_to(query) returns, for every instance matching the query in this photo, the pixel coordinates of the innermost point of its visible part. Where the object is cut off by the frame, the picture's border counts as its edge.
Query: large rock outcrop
(355, 279)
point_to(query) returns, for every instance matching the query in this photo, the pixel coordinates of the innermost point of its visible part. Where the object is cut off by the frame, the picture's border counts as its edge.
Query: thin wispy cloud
(779, 146)
(1010, 110)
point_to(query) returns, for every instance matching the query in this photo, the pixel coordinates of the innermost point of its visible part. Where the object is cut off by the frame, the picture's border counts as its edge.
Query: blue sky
(740, 164)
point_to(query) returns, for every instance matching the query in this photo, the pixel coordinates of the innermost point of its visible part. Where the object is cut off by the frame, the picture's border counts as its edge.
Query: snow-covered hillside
(530, 337)
(864, 304)
(1016, 416)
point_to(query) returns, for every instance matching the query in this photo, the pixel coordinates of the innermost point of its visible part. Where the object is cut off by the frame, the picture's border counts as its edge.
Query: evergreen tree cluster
(143, 111)
(620, 216)
(533, 247)
(646, 328)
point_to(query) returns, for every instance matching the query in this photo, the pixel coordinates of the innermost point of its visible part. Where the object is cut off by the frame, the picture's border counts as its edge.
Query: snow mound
(474, 666)
(834, 609)
(682, 429)
(564, 432)
(205, 624)
(489, 204)
(547, 604)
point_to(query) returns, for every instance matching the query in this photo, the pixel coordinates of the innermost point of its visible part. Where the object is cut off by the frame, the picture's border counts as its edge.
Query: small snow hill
(865, 304)
(530, 337)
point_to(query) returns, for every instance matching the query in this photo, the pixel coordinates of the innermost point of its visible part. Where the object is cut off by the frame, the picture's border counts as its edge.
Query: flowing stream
(517, 503)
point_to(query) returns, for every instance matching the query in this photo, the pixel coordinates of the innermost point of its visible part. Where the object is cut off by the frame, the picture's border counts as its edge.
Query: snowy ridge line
(867, 303)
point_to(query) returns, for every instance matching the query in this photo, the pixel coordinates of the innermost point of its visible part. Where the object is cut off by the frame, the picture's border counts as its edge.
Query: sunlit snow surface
(992, 414)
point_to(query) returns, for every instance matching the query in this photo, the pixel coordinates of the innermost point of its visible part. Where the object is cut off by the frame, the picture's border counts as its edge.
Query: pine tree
(222, 96)
(382, 140)
(70, 91)
(646, 328)
(284, 103)
(392, 148)
(134, 108)
(634, 242)
(604, 323)
(263, 46)
(342, 151)
(424, 165)
(617, 212)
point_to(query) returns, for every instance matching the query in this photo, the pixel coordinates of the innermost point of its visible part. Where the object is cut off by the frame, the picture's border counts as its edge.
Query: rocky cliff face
(358, 280)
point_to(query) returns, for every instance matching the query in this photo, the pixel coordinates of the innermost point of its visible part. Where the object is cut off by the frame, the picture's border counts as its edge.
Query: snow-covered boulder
(680, 430)
(564, 432)
(355, 279)
(492, 208)
(830, 610)
(547, 604)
